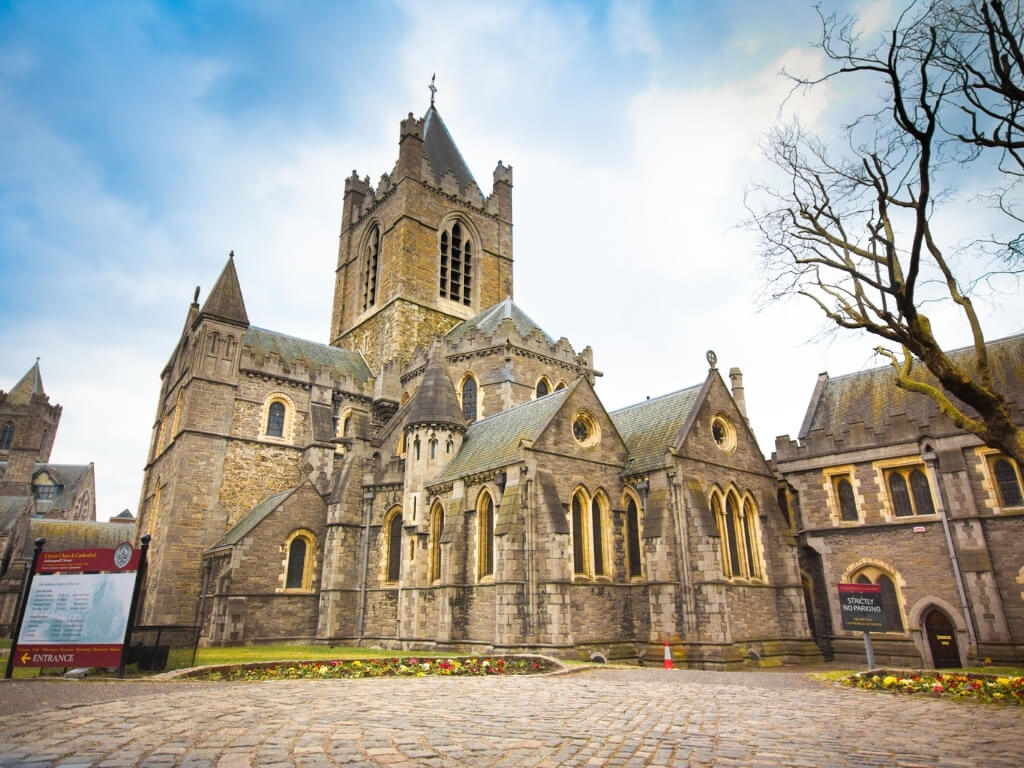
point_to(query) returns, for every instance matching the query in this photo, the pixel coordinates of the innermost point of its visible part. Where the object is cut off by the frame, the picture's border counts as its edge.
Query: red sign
(123, 558)
(67, 655)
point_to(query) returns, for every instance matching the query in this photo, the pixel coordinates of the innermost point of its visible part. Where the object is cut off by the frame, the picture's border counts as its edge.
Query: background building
(884, 489)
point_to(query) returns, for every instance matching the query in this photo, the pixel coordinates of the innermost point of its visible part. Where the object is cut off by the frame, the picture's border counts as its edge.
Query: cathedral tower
(421, 251)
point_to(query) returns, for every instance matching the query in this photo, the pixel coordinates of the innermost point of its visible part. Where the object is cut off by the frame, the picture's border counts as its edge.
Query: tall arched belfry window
(456, 278)
(371, 259)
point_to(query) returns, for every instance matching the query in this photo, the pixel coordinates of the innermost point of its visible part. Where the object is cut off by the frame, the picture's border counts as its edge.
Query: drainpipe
(931, 460)
(367, 510)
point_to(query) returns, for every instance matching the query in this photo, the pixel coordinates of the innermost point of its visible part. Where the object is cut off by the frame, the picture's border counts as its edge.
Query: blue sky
(140, 142)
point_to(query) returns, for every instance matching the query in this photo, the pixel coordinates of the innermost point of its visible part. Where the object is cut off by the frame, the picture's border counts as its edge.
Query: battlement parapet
(858, 436)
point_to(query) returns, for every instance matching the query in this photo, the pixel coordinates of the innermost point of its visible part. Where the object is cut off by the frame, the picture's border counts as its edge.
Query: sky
(140, 142)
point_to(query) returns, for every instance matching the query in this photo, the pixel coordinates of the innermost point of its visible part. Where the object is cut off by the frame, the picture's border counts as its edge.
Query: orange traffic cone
(668, 656)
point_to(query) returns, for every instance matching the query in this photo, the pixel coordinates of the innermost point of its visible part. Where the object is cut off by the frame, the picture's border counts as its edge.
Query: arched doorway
(941, 639)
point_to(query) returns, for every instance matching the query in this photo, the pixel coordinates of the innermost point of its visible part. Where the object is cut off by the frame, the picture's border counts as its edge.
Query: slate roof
(873, 398)
(439, 148)
(30, 384)
(494, 442)
(225, 299)
(488, 322)
(255, 516)
(435, 401)
(316, 356)
(11, 508)
(648, 428)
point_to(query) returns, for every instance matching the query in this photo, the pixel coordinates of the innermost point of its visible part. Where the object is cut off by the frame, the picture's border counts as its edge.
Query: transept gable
(718, 431)
(581, 428)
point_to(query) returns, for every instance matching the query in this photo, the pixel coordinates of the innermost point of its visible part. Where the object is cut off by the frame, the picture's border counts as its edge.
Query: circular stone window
(724, 433)
(585, 429)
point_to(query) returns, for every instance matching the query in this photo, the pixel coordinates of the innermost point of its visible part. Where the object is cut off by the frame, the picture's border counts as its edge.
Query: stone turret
(434, 429)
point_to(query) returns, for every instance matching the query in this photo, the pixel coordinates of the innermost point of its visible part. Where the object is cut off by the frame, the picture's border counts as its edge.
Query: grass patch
(245, 654)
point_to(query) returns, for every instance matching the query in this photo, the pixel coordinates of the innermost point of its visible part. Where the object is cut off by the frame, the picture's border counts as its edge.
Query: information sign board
(75, 616)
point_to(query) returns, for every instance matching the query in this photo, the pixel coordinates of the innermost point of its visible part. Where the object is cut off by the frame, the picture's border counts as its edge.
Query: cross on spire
(433, 88)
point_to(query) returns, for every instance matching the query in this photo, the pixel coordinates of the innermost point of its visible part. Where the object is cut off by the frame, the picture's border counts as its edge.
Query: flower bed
(1000, 690)
(478, 666)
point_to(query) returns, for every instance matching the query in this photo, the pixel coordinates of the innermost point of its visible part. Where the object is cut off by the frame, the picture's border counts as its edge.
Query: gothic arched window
(371, 259)
(6, 436)
(456, 273)
(633, 539)
(579, 565)
(469, 399)
(296, 563)
(1006, 481)
(485, 512)
(543, 386)
(436, 529)
(394, 529)
(275, 419)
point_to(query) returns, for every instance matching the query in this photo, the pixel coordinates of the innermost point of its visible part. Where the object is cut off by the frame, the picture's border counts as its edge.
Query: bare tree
(854, 228)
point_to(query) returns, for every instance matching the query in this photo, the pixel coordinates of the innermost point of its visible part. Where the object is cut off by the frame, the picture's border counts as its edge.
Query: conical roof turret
(225, 299)
(30, 384)
(435, 401)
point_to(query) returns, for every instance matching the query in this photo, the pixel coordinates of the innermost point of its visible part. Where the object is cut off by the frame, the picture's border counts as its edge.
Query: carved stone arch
(542, 387)
(915, 616)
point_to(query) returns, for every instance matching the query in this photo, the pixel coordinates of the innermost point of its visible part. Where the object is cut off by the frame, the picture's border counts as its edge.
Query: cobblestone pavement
(639, 717)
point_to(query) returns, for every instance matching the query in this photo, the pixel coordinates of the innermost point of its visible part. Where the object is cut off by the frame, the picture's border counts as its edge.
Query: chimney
(736, 378)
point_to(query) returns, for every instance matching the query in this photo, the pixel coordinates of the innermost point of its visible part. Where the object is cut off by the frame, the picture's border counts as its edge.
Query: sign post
(861, 608)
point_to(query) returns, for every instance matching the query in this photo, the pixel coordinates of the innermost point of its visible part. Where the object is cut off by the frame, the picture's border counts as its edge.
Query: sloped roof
(255, 516)
(30, 384)
(488, 322)
(75, 534)
(439, 148)
(648, 428)
(872, 397)
(494, 442)
(316, 356)
(435, 401)
(225, 299)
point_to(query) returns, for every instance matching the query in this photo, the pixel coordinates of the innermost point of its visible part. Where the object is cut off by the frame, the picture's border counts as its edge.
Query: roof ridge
(655, 399)
(548, 398)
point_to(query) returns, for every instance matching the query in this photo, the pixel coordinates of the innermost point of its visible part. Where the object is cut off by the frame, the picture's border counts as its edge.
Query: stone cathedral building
(443, 472)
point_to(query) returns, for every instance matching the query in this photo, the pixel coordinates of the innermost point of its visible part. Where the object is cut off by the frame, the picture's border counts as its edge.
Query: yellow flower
(890, 681)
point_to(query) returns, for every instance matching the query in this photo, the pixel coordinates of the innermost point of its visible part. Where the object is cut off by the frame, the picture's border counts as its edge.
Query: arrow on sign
(25, 658)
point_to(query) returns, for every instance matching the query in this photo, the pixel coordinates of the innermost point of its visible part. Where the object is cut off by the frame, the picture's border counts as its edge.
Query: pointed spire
(31, 384)
(435, 401)
(439, 148)
(225, 299)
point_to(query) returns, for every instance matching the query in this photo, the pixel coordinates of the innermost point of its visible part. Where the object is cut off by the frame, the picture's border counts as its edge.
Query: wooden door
(942, 639)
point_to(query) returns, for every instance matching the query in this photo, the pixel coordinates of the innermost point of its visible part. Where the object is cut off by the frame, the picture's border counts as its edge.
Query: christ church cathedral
(443, 473)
